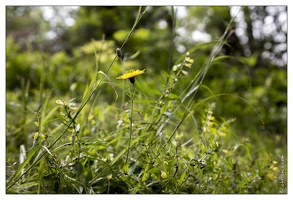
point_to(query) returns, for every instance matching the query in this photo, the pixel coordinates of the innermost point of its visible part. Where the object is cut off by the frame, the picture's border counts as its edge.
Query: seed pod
(119, 53)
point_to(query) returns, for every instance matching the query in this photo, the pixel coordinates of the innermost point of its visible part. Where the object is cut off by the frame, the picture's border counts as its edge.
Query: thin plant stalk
(130, 125)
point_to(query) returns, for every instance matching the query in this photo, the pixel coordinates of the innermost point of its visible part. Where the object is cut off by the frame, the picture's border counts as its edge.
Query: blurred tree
(24, 24)
(258, 50)
(114, 23)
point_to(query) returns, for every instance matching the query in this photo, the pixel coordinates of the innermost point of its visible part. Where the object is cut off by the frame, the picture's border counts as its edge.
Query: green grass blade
(18, 174)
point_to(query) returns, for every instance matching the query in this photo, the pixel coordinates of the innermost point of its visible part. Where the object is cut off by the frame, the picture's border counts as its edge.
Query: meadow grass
(152, 139)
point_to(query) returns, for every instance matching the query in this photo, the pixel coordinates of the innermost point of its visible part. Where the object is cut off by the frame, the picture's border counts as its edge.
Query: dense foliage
(204, 117)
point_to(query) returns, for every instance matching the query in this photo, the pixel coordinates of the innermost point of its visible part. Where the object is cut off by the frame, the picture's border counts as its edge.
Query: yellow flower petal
(275, 162)
(36, 135)
(131, 74)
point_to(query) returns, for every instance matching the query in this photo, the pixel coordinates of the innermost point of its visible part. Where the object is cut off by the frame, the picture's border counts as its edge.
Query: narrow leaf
(100, 72)
(18, 172)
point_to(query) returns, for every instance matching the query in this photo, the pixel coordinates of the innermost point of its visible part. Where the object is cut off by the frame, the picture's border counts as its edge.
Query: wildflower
(184, 72)
(272, 176)
(119, 123)
(225, 151)
(77, 128)
(104, 159)
(66, 105)
(93, 122)
(35, 141)
(160, 103)
(176, 67)
(275, 169)
(44, 136)
(36, 135)
(109, 177)
(59, 102)
(204, 129)
(188, 65)
(211, 118)
(131, 74)
(188, 59)
(163, 174)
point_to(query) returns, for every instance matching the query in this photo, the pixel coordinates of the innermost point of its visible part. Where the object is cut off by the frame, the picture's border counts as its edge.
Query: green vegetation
(195, 122)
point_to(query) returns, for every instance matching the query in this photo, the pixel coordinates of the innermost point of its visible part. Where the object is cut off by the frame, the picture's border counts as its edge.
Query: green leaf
(126, 168)
(221, 58)
(182, 178)
(154, 170)
(118, 157)
(134, 55)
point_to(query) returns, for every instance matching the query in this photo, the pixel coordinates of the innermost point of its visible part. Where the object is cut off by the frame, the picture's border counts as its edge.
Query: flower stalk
(130, 124)
(130, 75)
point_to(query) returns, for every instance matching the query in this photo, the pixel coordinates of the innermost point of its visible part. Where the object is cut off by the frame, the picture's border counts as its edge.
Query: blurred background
(61, 42)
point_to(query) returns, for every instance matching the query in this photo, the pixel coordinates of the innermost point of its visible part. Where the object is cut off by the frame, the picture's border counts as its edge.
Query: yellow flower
(272, 176)
(188, 59)
(188, 65)
(59, 102)
(225, 151)
(109, 177)
(36, 135)
(275, 169)
(175, 67)
(184, 72)
(274, 162)
(45, 136)
(164, 174)
(131, 74)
